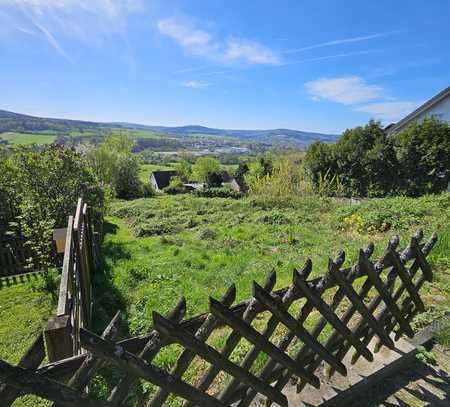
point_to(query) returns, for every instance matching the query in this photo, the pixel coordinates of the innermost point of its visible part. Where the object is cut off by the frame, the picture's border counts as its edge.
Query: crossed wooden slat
(280, 366)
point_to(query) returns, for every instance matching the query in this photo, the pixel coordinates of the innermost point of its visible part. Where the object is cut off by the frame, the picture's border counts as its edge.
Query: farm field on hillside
(26, 138)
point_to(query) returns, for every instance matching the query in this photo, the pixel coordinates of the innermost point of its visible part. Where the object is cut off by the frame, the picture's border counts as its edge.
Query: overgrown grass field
(159, 249)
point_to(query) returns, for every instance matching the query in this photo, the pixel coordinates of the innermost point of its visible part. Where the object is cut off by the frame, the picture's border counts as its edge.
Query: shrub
(400, 213)
(218, 193)
(42, 187)
(367, 162)
(423, 151)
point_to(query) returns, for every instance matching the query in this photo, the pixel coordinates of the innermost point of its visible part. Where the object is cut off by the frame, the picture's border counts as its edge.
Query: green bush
(423, 151)
(399, 213)
(42, 187)
(365, 162)
(218, 193)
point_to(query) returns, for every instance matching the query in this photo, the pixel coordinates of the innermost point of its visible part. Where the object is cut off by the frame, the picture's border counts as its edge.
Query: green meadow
(27, 138)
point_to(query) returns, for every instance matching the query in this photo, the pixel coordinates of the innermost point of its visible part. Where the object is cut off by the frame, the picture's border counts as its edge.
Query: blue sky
(307, 65)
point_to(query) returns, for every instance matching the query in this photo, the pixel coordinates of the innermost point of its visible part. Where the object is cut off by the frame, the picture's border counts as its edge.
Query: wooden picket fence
(74, 310)
(14, 256)
(353, 305)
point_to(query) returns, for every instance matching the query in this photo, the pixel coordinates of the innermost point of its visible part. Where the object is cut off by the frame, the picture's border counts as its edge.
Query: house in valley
(438, 106)
(161, 179)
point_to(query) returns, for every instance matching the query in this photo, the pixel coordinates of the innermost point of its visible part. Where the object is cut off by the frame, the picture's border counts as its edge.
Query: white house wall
(440, 110)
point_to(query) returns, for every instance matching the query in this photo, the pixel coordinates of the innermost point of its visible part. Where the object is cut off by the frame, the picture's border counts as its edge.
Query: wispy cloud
(198, 42)
(195, 84)
(346, 90)
(342, 55)
(342, 41)
(388, 110)
(52, 40)
(83, 20)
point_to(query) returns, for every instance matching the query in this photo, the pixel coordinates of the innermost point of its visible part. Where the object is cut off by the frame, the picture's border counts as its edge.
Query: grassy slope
(23, 314)
(25, 138)
(196, 247)
(207, 244)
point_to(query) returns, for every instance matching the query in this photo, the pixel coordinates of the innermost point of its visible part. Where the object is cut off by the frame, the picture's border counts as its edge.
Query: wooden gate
(354, 304)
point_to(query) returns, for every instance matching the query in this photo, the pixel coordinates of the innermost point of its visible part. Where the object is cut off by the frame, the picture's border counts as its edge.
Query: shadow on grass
(107, 298)
(9, 281)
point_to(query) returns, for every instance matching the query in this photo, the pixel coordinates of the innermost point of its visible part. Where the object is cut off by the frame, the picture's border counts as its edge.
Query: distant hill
(15, 122)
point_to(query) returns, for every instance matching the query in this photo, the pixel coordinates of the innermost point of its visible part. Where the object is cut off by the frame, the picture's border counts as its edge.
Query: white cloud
(195, 84)
(195, 41)
(199, 42)
(346, 90)
(251, 52)
(388, 110)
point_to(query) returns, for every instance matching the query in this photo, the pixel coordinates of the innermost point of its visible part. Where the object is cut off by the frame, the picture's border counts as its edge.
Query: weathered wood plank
(388, 300)
(404, 276)
(121, 390)
(362, 309)
(30, 360)
(332, 318)
(211, 355)
(136, 366)
(91, 364)
(188, 355)
(232, 341)
(277, 309)
(58, 340)
(287, 300)
(29, 382)
(67, 269)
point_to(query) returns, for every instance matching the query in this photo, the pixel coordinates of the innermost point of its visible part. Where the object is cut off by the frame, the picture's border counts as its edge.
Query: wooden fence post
(58, 338)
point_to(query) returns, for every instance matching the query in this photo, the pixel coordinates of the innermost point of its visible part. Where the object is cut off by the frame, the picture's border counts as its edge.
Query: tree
(205, 166)
(423, 150)
(42, 187)
(241, 170)
(184, 170)
(319, 161)
(117, 166)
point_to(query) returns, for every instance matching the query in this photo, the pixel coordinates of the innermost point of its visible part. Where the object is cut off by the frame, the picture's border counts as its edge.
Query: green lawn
(23, 314)
(26, 138)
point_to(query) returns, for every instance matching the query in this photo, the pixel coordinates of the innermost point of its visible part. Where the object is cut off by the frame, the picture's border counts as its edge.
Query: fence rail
(14, 258)
(74, 310)
(348, 305)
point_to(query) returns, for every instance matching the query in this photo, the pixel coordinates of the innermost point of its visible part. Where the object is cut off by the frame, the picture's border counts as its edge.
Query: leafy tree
(319, 160)
(42, 186)
(184, 170)
(241, 170)
(117, 166)
(205, 166)
(363, 161)
(423, 150)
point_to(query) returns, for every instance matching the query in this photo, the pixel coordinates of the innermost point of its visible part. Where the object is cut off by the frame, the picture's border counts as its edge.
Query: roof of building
(162, 178)
(423, 108)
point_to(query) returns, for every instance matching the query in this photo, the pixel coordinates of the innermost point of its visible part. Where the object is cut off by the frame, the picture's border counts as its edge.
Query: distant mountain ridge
(16, 122)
